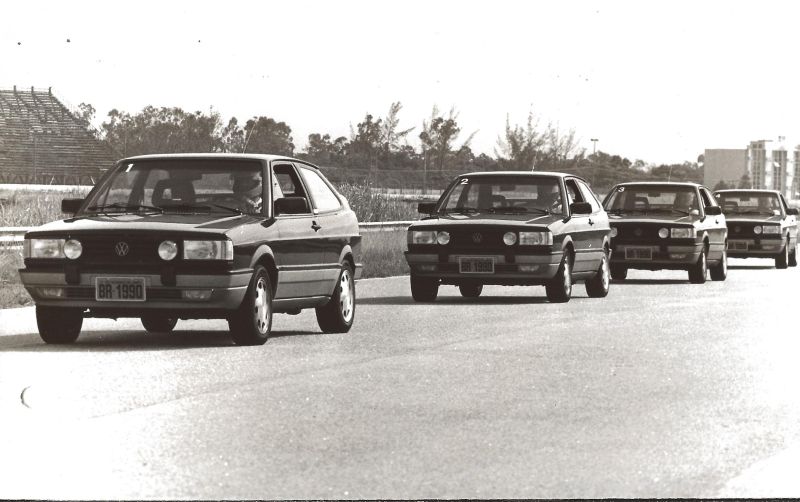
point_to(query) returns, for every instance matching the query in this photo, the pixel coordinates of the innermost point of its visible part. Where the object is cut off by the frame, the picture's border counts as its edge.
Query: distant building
(43, 141)
(757, 166)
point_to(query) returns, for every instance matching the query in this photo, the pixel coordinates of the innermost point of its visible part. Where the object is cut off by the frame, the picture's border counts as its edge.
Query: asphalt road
(663, 389)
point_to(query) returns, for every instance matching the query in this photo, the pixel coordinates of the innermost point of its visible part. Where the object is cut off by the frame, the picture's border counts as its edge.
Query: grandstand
(43, 142)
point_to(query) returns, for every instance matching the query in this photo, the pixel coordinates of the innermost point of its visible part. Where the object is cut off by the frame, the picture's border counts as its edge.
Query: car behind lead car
(511, 228)
(662, 225)
(197, 236)
(760, 225)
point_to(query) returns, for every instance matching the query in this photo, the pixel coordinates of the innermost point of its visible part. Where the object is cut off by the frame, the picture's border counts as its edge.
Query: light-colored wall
(724, 164)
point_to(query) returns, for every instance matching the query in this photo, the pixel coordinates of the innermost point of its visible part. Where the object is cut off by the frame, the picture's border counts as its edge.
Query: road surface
(663, 389)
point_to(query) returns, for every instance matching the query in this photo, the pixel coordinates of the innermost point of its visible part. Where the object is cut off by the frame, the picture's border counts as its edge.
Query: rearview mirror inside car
(426, 207)
(580, 208)
(71, 206)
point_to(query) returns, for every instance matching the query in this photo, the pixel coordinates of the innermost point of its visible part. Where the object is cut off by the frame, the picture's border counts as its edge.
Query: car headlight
(663, 233)
(771, 229)
(509, 238)
(423, 237)
(43, 248)
(207, 250)
(168, 250)
(443, 237)
(73, 249)
(682, 233)
(614, 232)
(757, 229)
(535, 239)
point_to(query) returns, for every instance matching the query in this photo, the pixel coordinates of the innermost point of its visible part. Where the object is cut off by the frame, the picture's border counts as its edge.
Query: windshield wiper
(124, 207)
(517, 209)
(680, 211)
(229, 208)
(462, 210)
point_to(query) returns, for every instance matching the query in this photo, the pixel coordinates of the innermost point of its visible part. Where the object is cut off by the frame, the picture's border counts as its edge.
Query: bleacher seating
(42, 141)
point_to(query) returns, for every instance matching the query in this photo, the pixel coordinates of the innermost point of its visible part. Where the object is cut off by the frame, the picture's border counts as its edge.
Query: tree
(522, 147)
(390, 134)
(265, 135)
(365, 141)
(438, 135)
(721, 185)
(745, 181)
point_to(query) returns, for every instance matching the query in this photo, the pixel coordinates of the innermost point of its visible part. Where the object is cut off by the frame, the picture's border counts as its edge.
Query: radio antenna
(249, 135)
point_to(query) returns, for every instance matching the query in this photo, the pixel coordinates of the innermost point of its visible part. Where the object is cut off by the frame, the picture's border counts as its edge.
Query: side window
(286, 183)
(589, 196)
(783, 203)
(573, 193)
(708, 200)
(321, 194)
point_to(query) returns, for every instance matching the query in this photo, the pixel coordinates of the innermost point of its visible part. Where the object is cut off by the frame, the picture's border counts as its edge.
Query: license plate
(737, 245)
(638, 253)
(476, 265)
(119, 289)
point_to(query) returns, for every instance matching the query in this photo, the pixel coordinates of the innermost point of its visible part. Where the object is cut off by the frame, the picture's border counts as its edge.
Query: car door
(790, 220)
(713, 225)
(580, 228)
(298, 250)
(598, 222)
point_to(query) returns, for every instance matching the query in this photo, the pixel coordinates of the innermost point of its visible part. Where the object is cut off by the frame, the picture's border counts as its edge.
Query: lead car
(511, 228)
(168, 237)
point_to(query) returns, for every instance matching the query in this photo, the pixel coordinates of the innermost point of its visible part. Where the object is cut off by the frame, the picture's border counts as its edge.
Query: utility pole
(594, 145)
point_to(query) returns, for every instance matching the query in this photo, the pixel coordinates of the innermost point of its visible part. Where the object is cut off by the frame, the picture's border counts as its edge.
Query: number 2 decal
(465, 181)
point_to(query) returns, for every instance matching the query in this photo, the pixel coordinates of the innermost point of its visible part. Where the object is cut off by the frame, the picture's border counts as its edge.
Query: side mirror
(793, 211)
(71, 206)
(291, 205)
(580, 208)
(713, 210)
(426, 207)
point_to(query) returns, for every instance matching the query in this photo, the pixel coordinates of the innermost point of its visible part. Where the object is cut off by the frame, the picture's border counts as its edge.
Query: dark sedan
(664, 225)
(511, 228)
(168, 237)
(760, 225)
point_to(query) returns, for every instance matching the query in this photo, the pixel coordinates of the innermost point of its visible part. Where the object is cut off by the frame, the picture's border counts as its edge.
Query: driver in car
(247, 190)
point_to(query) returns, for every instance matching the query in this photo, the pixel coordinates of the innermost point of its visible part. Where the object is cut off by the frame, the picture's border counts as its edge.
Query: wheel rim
(606, 273)
(703, 264)
(346, 295)
(724, 262)
(567, 277)
(261, 307)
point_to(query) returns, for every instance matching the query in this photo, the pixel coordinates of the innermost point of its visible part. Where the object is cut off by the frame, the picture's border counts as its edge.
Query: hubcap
(606, 273)
(261, 307)
(567, 277)
(703, 263)
(346, 295)
(725, 261)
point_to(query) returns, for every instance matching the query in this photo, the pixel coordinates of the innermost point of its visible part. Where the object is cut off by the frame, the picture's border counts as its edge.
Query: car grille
(477, 239)
(637, 231)
(744, 230)
(102, 249)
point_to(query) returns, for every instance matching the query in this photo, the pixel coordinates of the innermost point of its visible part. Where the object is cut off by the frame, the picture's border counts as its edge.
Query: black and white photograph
(405, 250)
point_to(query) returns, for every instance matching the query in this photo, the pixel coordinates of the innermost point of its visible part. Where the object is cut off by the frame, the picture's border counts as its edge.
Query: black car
(168, 237)
(760, 225)
(666, 225)
(511, 228)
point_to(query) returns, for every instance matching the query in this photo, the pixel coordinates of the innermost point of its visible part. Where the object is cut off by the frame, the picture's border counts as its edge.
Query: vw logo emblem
(122, 248)
(638, 232)
(477, 238)
(737, 229)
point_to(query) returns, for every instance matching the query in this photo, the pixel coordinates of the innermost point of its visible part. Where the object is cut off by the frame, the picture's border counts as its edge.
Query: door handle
(314, 226)
(591, 222)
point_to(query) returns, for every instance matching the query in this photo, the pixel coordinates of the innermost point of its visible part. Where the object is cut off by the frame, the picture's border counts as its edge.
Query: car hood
(203, 223)
(752, 218)
(488, 219)
(651, 218)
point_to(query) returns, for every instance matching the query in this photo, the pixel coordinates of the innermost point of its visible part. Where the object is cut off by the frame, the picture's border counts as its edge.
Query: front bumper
(662, 256)
(520, 269)
(227, 290)
(755, 248)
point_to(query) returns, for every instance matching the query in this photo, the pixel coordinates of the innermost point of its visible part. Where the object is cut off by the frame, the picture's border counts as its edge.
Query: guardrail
(12, 237)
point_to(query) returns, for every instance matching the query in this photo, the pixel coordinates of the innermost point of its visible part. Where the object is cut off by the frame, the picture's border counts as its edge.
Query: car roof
(228, 156)
(521, 173)
(670, 183)
(748, 190)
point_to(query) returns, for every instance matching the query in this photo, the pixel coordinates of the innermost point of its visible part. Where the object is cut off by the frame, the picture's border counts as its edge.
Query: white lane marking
(772, 477)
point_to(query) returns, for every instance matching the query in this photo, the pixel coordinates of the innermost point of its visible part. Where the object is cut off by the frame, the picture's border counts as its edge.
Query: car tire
(59, 325)
(793, 257)
(470, 290)
(252, 322)
(338, 314)
(698, 271)
(619, 272)
(424, 289)
(559, 288)
(597, 286)
(156, 323)
(719, 272)
(782, 259)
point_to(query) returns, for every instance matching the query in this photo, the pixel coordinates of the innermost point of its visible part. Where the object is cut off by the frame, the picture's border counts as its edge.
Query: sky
(659, 81)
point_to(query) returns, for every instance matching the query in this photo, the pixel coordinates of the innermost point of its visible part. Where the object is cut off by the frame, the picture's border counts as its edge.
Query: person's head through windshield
(550, 198)
(247, 189)
(685, 201)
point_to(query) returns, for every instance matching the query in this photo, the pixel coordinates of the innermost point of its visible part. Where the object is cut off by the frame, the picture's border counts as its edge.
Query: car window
(589, 196)
(653, 198)
(573, 193)
(321, 194)
(504, 193)
(287, 183)
(707, 199)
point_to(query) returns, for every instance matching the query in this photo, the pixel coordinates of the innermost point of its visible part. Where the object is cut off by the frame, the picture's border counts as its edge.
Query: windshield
(181, 185)
(653, 199)
(504, 194)
(749, 203)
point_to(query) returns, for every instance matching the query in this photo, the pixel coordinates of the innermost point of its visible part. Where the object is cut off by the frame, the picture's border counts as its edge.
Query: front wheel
(252, 321)
(338, 314)
(698, 271)
(158, 323)
(559, 288)
(470, 290)
(719, 272)
(619, 272)
(597, 286)
(59, 325)
(793, 257)
(782, 260)
(424, 289)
